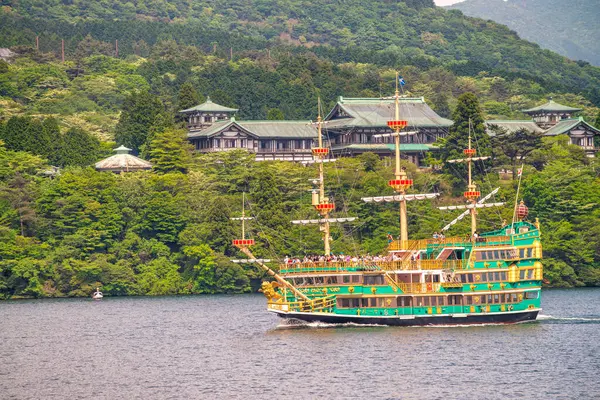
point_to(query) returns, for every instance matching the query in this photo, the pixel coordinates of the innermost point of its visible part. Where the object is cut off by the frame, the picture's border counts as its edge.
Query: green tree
(171, 151)
(275, 114)
(139, 112)
(515, 145)
(188, 97)
(78, 148)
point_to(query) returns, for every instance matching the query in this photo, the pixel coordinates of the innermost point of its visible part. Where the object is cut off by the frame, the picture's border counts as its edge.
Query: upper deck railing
(456, 241)
(369, 265)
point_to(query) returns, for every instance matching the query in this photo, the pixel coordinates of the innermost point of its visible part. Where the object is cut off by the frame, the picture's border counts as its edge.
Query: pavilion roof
(550, 106)
(123, 162)
(209, 106)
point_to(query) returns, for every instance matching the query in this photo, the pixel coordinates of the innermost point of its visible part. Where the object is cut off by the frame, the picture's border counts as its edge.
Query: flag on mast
(519, 172)
(401, 81)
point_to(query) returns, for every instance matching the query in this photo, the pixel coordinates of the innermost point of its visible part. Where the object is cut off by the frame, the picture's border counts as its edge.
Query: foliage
(137, 117)
(171, 151)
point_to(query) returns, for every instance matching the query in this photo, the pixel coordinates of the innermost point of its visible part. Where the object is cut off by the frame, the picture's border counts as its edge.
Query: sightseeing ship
(489, 277)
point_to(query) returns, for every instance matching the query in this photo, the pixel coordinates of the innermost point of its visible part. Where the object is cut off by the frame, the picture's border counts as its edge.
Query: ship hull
(416, 320)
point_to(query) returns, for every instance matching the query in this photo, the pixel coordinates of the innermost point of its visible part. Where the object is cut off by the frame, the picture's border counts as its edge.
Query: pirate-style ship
(491, 277)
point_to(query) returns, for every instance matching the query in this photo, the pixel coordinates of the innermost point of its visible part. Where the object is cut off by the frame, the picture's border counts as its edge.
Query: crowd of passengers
(347, 259)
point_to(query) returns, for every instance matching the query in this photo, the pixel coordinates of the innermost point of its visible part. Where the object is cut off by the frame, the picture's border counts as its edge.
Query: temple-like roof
(550, 106)
(262, 129)
(376, 112)
(566, 125)
(209, 106)
(514, 125)
(123, 162)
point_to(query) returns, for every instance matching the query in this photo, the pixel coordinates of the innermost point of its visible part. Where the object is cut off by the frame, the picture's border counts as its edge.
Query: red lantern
(522, 211)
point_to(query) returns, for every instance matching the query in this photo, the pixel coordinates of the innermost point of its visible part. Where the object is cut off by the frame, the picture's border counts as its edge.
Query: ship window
(513, 297)
(496, 298)
(373, 280)
(355, 278)
(346, 279)
(319, 280)
(502, 298)
(354, 303)
(345, 303)
(489, 299)
(531, 295)
(522, 274)
(436, 278)
(373, 302)
(404, 301)
(496, 255)
(503, 275)
(331, 280)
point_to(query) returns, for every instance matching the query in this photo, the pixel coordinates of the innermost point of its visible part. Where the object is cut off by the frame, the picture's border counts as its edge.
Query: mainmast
(401, 183)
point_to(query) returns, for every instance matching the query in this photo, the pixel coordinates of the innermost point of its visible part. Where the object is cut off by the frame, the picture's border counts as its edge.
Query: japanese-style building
(349, 129)
(269, 140)
(123, 162)
(553, 119)
(353, 122)
(206, 114)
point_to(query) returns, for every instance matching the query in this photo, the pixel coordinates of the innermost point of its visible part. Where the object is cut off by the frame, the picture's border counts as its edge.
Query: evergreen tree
(467, 117)
(170, 151)
(78, 148)
(138, 115)
(515, 145)
(15, 133)
(275, 114)
(188, 97)
(162, 122)
(52, 133)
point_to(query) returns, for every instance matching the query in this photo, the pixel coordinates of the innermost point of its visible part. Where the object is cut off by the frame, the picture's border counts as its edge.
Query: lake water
(219, 347)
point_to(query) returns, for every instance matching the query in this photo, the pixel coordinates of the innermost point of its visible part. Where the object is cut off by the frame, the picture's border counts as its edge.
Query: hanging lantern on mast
(522, 211)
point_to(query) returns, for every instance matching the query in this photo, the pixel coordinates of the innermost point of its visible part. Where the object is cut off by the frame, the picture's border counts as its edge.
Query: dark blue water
(220, 347)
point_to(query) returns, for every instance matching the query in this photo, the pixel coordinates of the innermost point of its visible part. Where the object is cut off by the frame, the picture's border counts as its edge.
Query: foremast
(320, 202)
(244, 245)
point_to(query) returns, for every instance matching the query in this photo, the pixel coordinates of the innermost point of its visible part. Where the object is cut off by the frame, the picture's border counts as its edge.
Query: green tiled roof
(378, 147)
(514, 125)
(376, 112)
(262, 129)
(566, 125)
(551, 106)
(209, 106)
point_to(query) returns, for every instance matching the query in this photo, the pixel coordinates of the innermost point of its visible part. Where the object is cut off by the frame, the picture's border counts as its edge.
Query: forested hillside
(568, 28)
(381, 32)
(168, 231)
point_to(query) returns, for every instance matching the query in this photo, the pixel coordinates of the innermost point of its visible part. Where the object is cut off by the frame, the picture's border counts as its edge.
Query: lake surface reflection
(215, 347)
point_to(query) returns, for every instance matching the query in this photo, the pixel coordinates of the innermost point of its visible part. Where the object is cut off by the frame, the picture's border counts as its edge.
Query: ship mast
(472, 194)
(320, 202)
(243, 244)
(401, 183)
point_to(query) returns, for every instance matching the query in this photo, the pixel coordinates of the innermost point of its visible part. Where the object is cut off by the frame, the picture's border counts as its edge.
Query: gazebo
(123, 162)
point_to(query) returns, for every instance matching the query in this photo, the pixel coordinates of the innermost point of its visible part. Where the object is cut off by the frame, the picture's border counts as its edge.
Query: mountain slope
(568, 28)
(383, 32)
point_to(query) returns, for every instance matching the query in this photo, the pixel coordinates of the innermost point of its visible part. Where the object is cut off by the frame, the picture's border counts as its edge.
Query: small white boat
(97, 294)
